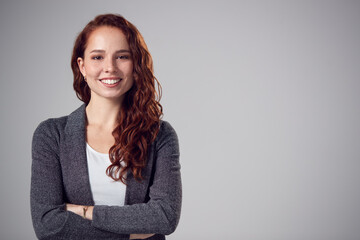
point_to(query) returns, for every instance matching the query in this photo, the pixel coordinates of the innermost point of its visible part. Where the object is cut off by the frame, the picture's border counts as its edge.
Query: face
(107, 65)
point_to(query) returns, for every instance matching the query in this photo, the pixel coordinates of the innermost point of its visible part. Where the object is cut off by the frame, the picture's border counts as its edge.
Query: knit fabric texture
(60, 175)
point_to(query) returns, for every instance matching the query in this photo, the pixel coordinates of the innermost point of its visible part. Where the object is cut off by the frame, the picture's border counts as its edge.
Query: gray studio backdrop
(264, 96)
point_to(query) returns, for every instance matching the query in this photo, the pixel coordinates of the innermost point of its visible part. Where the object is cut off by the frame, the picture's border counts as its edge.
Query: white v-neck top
(104, 189)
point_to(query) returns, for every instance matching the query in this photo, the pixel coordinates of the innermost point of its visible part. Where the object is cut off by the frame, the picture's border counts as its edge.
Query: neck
(103, 113)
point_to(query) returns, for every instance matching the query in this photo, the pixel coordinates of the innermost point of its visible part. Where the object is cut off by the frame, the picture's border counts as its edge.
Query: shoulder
(57, 126)
(51, 126)
(166, 128)
(167, 136)
(48, 133)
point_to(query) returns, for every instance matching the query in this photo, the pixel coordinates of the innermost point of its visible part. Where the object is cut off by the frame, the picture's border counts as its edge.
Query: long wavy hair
(138, 120)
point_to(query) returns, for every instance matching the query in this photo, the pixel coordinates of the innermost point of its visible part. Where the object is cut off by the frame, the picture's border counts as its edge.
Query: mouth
(110, 81)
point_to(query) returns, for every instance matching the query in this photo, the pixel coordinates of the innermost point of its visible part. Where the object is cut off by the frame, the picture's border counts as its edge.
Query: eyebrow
(118, 51)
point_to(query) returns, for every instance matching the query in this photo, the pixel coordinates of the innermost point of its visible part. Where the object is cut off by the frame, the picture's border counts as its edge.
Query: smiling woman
(106, 65)
(110, 169)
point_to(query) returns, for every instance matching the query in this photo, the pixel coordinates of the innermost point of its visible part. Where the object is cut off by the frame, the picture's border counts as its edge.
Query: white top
(104, 189)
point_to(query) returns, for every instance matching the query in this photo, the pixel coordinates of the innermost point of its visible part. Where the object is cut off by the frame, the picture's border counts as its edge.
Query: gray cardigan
(60, 175)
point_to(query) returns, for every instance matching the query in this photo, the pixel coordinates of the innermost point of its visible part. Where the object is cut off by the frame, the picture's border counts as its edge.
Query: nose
(110, 65)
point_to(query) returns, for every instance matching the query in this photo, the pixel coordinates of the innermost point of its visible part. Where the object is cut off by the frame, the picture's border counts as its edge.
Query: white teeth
(110, 81)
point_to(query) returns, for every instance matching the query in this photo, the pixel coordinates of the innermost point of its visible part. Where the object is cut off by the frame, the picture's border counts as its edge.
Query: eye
(123, 57)
(96, 57)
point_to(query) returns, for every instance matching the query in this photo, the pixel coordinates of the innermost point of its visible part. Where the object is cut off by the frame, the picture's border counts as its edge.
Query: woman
(110, 169)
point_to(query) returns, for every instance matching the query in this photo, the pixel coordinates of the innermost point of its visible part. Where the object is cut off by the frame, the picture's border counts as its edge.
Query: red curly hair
(138, 120)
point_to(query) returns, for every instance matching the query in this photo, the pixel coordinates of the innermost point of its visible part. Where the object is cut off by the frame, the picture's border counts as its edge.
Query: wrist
(87, 212)
(84, 210)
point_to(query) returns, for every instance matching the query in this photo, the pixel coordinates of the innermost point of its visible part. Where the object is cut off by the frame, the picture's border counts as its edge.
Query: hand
(140, 236)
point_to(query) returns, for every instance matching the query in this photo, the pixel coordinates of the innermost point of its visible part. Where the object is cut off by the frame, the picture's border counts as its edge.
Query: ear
(80, 63)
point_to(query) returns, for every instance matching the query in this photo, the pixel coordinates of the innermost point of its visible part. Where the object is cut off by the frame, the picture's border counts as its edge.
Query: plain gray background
(264, 96)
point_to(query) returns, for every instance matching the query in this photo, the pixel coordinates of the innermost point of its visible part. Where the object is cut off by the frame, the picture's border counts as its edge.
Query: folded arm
(51, 220)
(48, 209)
(161, 213)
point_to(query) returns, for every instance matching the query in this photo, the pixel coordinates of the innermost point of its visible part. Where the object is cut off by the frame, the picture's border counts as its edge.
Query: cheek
(129, 68)
(92, 69)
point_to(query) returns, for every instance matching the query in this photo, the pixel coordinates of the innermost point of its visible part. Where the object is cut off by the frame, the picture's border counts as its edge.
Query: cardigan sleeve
(50, 219)
(161, 213)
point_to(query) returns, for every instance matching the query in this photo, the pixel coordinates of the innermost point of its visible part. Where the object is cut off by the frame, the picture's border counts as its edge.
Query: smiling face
(107, 64)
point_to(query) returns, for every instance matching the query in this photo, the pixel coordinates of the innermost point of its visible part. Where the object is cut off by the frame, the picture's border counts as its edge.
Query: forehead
(107, 38)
